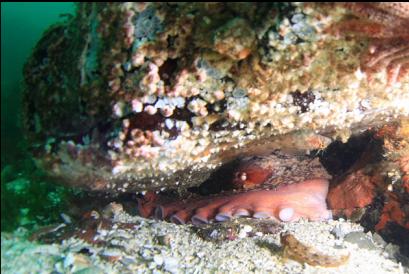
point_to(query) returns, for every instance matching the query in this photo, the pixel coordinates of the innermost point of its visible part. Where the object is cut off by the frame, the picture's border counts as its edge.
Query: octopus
(295, 250)
(279, 186)
(386, 24)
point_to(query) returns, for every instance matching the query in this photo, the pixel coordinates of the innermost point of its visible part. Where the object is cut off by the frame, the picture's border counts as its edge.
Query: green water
(27, 198)
(21, 27)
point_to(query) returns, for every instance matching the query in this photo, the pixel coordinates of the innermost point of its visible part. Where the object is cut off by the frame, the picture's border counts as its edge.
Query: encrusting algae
(148, 96)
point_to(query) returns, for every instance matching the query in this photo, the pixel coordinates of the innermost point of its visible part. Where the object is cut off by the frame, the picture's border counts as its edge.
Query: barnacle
(164, 94)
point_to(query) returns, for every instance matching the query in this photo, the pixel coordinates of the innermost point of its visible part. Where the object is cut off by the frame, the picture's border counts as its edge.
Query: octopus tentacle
(285, 203)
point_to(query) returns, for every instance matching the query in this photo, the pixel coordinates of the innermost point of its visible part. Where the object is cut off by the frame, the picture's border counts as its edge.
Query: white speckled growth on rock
(132, 97)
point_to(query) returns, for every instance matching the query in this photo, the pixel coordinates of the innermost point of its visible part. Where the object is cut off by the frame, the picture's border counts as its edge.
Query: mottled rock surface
(133, 96)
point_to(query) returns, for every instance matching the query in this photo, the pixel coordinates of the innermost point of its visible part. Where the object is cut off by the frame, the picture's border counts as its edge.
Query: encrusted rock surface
(134, 96)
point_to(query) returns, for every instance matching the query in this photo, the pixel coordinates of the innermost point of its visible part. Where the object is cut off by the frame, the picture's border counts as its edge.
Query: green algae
(29, 199)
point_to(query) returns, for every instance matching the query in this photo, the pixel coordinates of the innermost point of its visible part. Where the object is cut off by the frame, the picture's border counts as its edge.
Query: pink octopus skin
(286, 203)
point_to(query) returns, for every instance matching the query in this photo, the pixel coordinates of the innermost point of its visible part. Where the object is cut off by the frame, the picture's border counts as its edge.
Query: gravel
(160, 247)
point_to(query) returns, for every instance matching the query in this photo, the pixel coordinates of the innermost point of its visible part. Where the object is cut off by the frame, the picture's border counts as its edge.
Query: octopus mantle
(134, 96)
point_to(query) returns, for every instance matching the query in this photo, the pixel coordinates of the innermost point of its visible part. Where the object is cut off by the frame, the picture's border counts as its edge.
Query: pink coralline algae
(126, 97)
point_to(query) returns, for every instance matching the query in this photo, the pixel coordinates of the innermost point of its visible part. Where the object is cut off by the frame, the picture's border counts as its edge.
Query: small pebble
(158, 259)
(171, 264)
(361, 239)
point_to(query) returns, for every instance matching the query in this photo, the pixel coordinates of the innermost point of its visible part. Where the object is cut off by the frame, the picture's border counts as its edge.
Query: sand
(159, 247)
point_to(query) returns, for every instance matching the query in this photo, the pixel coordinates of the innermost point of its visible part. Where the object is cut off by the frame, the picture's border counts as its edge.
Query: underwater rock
(144, 96)
(374, 190)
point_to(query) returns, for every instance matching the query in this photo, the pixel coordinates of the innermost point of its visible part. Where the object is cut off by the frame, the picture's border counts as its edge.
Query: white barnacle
(234, 114)
(197, 106)
(151, 110)
(219, 95)
(149, 99)
(167, 111)
(118, 109)
(169, 123)
(178, 101)
(137, 105)
(359, 74)
(118, 169)
(126, 123)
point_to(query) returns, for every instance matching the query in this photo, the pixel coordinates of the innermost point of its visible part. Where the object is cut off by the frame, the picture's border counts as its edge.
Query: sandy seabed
(160, 247)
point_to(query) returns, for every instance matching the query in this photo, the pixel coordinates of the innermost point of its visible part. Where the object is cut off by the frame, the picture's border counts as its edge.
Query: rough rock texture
(375, 189)
(134, 96)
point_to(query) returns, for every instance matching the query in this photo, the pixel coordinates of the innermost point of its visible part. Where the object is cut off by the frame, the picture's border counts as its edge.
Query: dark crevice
(219, 181)
(167, 70)
(339, 157)
(303, 100)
